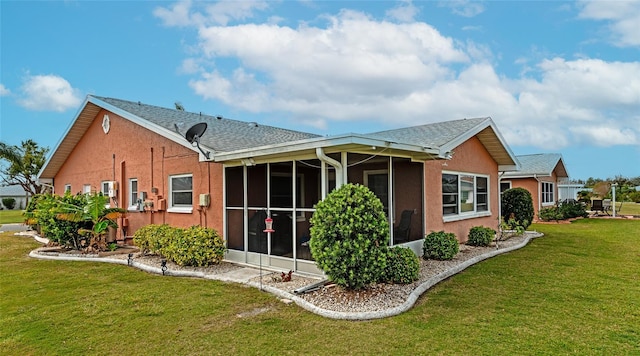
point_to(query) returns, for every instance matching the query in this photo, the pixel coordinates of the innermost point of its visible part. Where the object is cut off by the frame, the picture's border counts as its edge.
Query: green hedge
(194, 246)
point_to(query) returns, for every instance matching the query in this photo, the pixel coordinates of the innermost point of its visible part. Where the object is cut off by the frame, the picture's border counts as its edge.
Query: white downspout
(337, 165)
(535, 176)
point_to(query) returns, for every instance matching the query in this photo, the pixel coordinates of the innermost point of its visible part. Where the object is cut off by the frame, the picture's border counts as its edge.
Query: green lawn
(574, 291)
(628, 208)
(11, 216)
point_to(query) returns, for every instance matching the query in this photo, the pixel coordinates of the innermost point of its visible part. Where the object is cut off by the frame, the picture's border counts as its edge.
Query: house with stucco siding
(541, 175)
(439, 176)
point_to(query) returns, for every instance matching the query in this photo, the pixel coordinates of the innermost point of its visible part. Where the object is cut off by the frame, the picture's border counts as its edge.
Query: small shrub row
(481, 236)
(440, 246)
(194, 246)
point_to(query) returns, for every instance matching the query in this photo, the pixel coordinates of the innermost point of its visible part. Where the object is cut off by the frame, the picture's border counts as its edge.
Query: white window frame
(67, 188)
(104, 188)
(474, 213)
(133, 201)
(547, 196)
(86, 189)
(184, 209)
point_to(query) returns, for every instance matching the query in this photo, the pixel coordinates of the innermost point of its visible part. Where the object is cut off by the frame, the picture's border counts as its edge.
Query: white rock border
(411, 300)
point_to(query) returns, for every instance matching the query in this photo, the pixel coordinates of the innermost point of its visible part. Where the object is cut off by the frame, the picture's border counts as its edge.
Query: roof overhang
(488, 134)
(306, 149)
(81, 123)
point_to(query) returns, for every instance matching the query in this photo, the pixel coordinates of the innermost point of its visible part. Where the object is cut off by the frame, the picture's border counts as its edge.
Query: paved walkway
(13, 227)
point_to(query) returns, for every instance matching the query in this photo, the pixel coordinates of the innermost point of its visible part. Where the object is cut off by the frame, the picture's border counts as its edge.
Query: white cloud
(464, 8)
(404, 12)
(355, 67)
(623, 19)
(48, 93)
(4, 91)
(185, 13)
(605, 135)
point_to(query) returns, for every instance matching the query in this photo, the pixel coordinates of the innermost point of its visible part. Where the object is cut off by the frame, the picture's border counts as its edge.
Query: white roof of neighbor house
(12, 191)
(231, 141)
(540, 165)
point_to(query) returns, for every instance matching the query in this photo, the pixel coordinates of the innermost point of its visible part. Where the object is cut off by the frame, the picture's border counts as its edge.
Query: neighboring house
(16, 192)
(539, 174)
(569, 190)
(441, 176)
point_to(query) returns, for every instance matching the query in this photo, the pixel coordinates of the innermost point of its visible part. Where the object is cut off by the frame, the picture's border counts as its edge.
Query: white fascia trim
(66, 133)
(532, 175)
(321, 142)
(173, 136)
(488, 122)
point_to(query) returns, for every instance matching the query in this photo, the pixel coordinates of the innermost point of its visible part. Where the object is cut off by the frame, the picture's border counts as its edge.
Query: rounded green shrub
(349, 236)
(440, 246)
(550, 213)
(517, 207)
(403, 266)
(480, 236)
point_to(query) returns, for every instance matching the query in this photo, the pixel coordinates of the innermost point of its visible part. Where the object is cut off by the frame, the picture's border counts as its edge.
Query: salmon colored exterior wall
(533, 186)
(470, 157)
(132, 151)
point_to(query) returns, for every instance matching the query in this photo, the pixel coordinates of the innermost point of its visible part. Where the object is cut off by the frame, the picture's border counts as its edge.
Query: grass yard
(574, 291)
(628, 208)
(11, 216)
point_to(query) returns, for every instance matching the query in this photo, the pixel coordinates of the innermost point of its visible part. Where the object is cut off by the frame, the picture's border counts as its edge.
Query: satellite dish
(194, 133)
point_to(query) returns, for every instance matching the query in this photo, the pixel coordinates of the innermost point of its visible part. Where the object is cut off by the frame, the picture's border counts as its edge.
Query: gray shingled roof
(12, 191)
(222, 135)
(542, 164)
(430, 135)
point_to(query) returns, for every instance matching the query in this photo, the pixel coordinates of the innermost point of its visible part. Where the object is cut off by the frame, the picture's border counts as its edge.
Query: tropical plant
(25, 162)
(349, 236)
(95, 212)
(41, 214)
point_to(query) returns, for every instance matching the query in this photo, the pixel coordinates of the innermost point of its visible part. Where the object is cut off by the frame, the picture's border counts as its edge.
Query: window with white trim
(505, 185)
(547, 193)
(133, 193)
(181, 193)
(464, 194)
(86, 189)
(105, 188)
(67, 188)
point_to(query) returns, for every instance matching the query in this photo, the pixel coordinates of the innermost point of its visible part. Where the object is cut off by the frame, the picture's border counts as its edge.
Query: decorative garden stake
(163, 264)
(268, 223)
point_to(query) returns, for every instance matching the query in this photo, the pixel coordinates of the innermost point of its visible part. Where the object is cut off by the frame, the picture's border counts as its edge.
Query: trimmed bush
(481, 236)
(349, 236)
(572, 209)
(403, 266)
(152, 238)
(550, 213)
(41, 214)
(517, 205)
(440, 246)
(195, 246)
(9, 203)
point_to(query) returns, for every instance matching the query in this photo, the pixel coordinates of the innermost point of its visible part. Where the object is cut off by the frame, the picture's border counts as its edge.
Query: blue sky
(555, 76)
